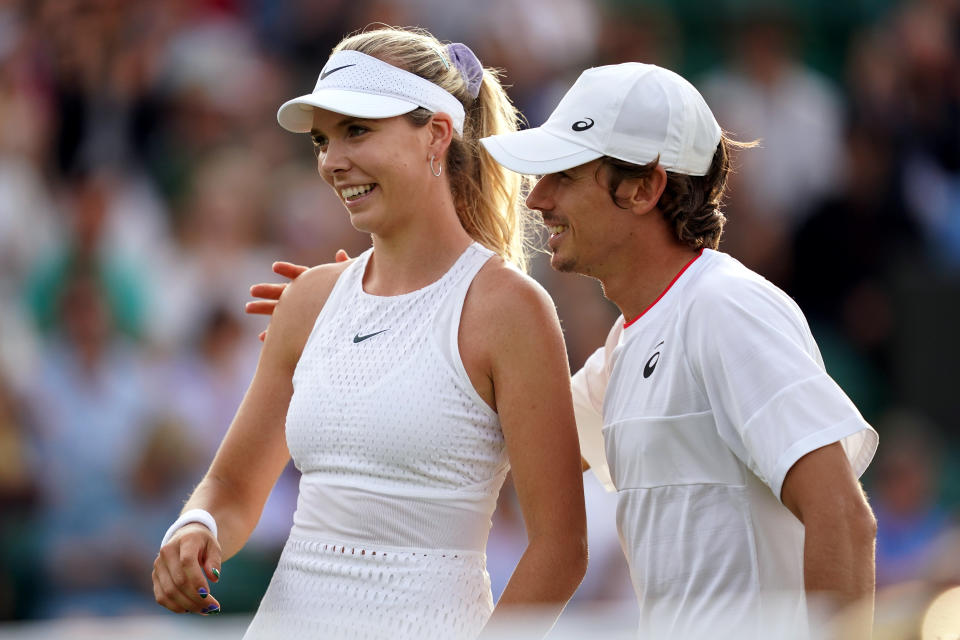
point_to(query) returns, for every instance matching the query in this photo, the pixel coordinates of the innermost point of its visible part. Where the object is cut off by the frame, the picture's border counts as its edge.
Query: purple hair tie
(468, 65)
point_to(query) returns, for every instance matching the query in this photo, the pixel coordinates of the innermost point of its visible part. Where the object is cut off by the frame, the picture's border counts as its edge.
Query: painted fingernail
(216, 573)
(214, 610)
(203, 592)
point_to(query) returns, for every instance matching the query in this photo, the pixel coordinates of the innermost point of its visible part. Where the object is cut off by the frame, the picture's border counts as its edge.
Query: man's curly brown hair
(692, 204)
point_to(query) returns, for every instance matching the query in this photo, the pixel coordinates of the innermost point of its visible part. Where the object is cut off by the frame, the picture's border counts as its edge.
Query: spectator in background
(19, 502)
(904, 100)
(303, 31)
(98, 82)
(902, 79)
(87, 202)
(918, 538)
(846, 256)
(29, 223)
(213, 87)
(206, 379)
(220, 229)
(764, 93)
(90, 405)
(28, 217)
(918, 535)
(930, 103)
(633, 33)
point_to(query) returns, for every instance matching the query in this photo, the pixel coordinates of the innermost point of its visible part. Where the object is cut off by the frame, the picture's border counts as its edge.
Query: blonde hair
(488, 197)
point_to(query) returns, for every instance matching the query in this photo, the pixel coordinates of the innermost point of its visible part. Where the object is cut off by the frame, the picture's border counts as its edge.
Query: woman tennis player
(403, 383)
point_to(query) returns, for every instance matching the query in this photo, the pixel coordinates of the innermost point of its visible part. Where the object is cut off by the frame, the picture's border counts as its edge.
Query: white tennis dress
(402, 462)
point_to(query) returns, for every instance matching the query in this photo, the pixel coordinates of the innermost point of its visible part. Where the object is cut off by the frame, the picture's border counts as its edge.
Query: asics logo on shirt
(652, 362)
(360, 338)
(323, 75)
(582, 125)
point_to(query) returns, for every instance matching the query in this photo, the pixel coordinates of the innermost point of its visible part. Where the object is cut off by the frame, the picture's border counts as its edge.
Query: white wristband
(194, 515)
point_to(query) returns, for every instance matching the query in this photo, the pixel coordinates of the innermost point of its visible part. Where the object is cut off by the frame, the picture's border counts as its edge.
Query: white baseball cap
(633, 112)
(355, 84)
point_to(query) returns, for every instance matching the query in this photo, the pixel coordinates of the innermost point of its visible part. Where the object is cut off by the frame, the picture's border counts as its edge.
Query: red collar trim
(675, 278)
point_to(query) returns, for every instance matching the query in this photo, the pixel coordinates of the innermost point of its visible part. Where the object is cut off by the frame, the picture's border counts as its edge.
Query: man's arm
(588, 386)
(840, 533)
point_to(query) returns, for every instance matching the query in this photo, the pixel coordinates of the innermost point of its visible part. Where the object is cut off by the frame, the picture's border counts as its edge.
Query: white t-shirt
(705, 402)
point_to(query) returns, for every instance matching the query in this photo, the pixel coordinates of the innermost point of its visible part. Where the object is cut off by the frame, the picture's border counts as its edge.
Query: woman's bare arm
(515, 335)
(251, 456)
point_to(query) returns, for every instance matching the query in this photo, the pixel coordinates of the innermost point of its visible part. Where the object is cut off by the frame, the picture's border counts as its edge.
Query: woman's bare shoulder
(299, 306)
(504, 303)
(501, 287)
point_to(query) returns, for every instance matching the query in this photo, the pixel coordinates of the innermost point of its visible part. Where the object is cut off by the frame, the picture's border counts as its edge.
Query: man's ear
(641, 195)
(440, 132)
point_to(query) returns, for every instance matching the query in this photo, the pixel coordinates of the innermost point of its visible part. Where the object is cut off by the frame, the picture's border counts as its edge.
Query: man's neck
(644, 277)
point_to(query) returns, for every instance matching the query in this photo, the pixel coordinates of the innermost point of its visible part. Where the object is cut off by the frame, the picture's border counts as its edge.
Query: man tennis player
(735, 455)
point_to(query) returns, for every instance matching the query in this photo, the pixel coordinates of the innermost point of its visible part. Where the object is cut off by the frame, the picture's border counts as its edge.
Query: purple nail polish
(203, 592)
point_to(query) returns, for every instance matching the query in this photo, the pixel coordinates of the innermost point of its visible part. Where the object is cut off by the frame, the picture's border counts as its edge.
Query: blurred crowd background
(145, 184)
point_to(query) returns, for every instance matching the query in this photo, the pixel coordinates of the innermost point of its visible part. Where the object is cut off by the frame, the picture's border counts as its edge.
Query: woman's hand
(182, 570)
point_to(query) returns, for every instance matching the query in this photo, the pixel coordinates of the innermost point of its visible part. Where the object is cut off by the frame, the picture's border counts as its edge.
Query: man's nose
(539, 197)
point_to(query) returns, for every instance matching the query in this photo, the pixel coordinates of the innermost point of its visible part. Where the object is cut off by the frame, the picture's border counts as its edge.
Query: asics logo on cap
(334, 70)
(582, 125)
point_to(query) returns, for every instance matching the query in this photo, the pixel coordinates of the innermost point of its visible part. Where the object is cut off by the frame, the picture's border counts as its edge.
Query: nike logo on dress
(360, 338)
(324, 74)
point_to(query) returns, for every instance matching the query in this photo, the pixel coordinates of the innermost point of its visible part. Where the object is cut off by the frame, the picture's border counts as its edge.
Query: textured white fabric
(399, 455)
(710, 397)
(359, 85)
(343, 591)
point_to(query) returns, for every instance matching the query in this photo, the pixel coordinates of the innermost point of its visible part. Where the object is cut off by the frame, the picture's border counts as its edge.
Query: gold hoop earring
(435, 171)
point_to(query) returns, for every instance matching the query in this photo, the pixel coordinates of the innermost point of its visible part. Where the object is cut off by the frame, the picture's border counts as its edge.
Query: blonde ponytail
(488, 197)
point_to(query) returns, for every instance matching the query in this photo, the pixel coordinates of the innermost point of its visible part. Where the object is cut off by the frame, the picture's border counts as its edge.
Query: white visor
(355, 84)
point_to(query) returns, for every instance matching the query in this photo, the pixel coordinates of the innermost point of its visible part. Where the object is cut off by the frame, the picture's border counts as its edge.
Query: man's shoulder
(728, 297)
(724, 280)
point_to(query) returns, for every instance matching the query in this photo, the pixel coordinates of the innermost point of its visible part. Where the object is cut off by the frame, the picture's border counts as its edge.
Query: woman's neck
(420, 253)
